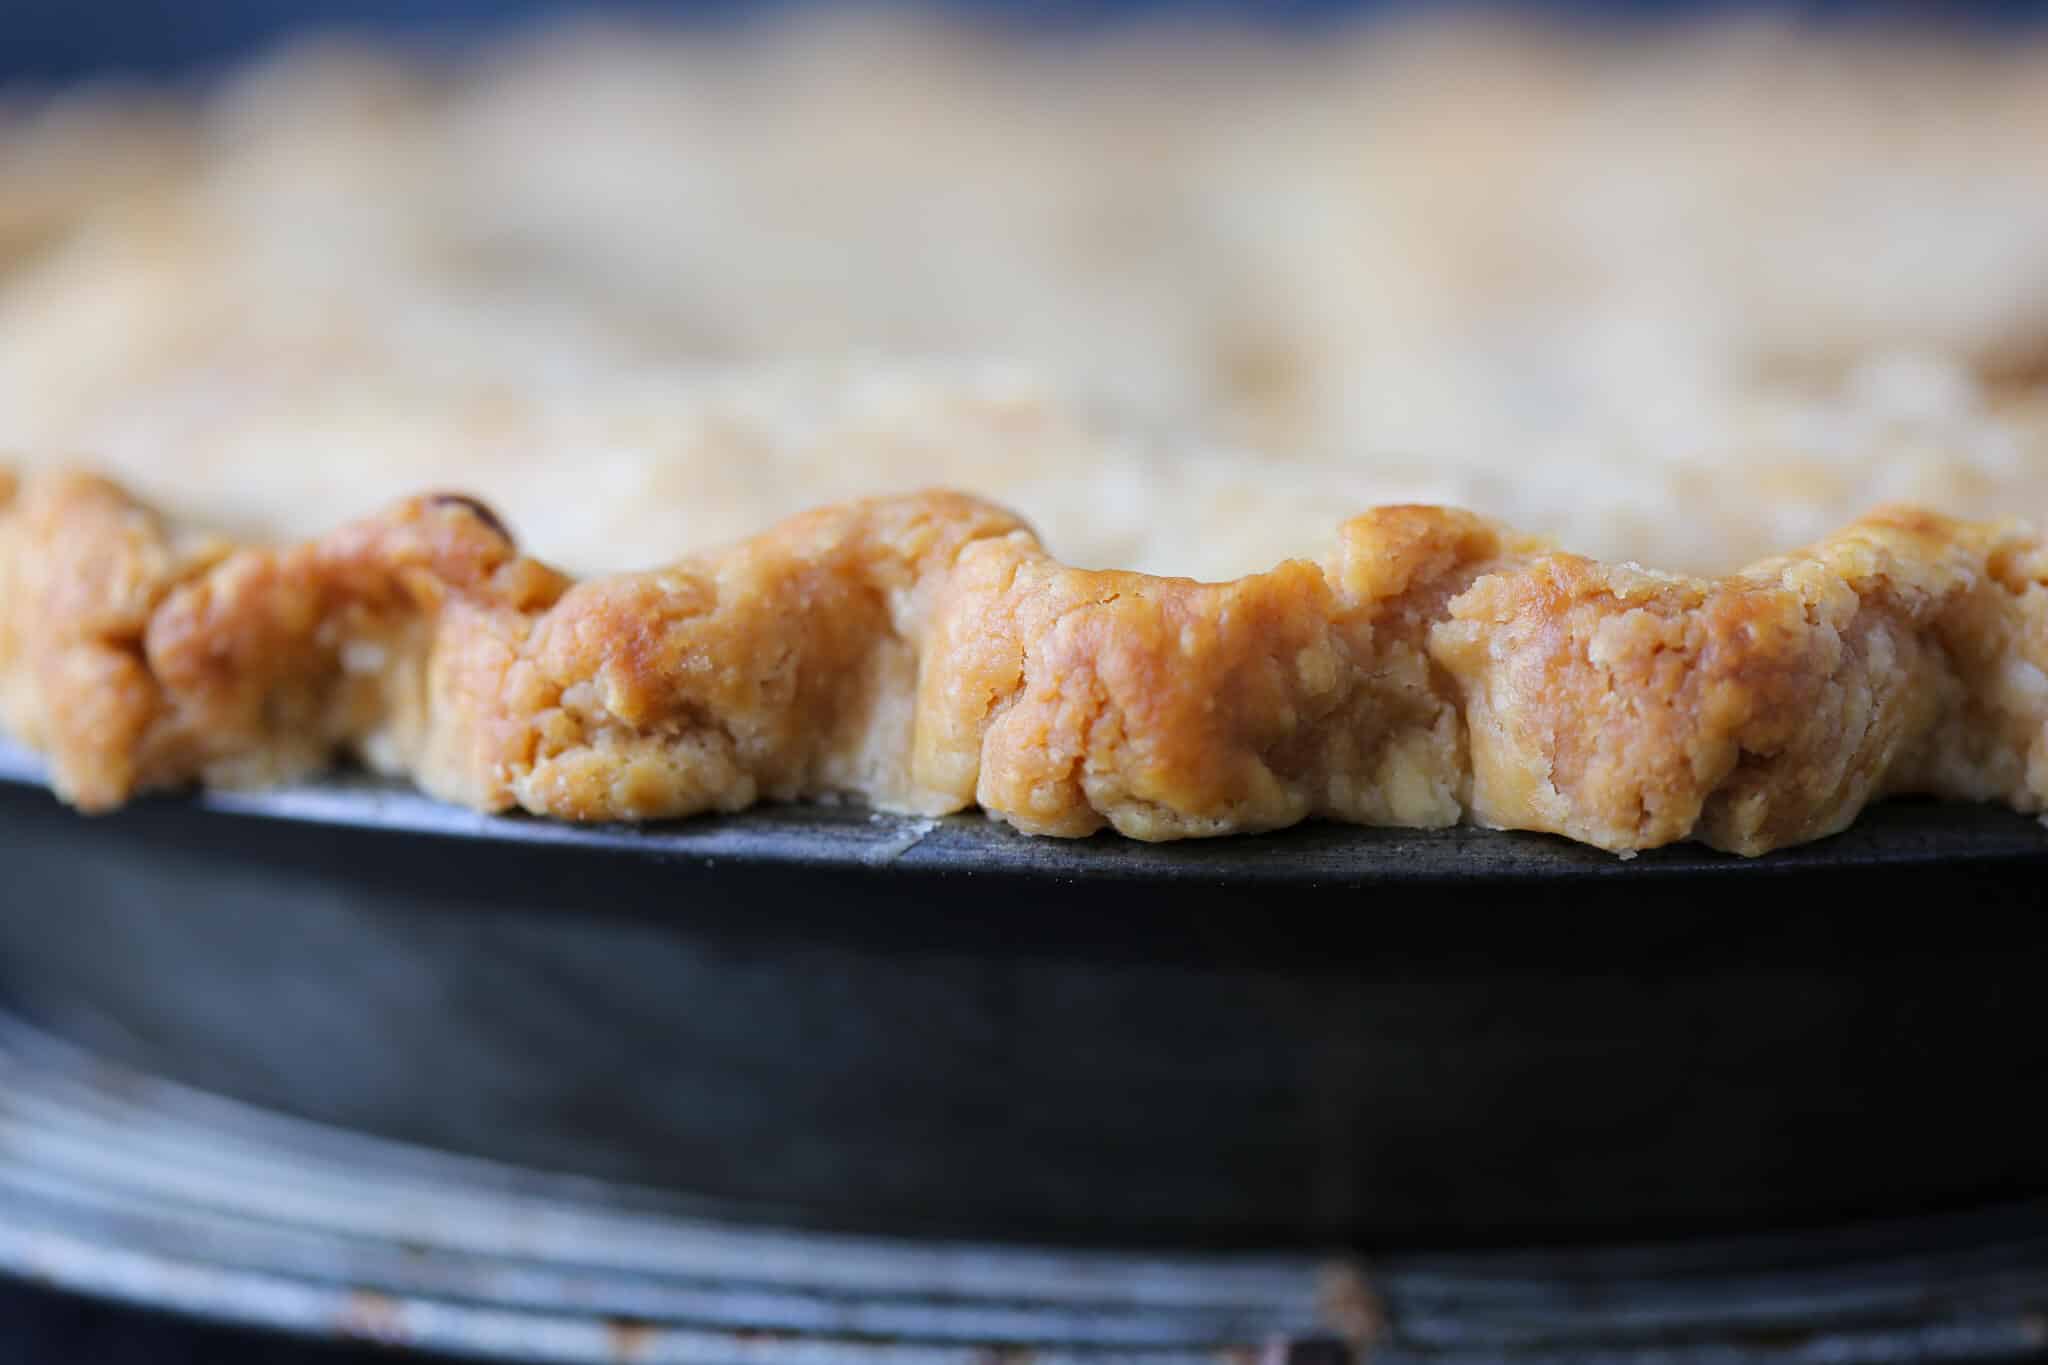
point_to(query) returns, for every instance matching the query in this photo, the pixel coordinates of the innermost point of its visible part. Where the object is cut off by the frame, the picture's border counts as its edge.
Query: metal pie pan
(822, 1018)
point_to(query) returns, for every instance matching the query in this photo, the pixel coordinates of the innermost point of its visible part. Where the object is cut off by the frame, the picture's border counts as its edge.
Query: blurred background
(49, 38)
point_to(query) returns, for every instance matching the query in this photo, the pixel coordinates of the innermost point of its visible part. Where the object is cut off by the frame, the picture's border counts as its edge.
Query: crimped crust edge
(926, 654)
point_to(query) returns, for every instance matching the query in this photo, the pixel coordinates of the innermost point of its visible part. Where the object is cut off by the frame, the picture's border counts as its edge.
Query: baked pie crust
(926, 654)
(1593, 284)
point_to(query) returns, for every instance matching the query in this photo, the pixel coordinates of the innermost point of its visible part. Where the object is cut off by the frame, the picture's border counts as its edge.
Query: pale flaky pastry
(926, 654)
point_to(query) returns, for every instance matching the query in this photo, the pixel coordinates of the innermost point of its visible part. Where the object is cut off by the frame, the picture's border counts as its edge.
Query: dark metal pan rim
(1070, 1057)
(829, 837)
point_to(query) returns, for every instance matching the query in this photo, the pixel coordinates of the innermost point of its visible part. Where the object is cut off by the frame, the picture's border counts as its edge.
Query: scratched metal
(118, 1185)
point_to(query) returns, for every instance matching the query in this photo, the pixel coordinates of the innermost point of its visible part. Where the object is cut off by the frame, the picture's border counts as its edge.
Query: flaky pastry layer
(926, 654)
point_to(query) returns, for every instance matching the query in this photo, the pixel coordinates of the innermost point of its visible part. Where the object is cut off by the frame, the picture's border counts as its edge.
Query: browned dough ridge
(925, 654)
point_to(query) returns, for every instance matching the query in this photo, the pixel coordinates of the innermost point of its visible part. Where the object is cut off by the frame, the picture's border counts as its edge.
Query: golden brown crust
(782, 667)
(139, 658)
(926, 654)
(1062, 700)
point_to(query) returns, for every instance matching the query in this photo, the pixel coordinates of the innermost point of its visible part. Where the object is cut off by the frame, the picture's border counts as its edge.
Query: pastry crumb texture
(926, 654)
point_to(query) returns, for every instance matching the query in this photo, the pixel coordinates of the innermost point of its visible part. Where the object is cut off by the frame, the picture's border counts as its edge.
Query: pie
(1683, 302)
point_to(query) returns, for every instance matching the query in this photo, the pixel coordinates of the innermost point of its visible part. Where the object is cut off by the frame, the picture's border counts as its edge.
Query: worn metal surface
(120, 1185)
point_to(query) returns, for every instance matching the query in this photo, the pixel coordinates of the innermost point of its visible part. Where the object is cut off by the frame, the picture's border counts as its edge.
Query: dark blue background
(56, 39)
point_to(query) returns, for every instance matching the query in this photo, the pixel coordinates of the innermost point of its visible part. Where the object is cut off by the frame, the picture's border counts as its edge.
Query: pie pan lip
(824, 836)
